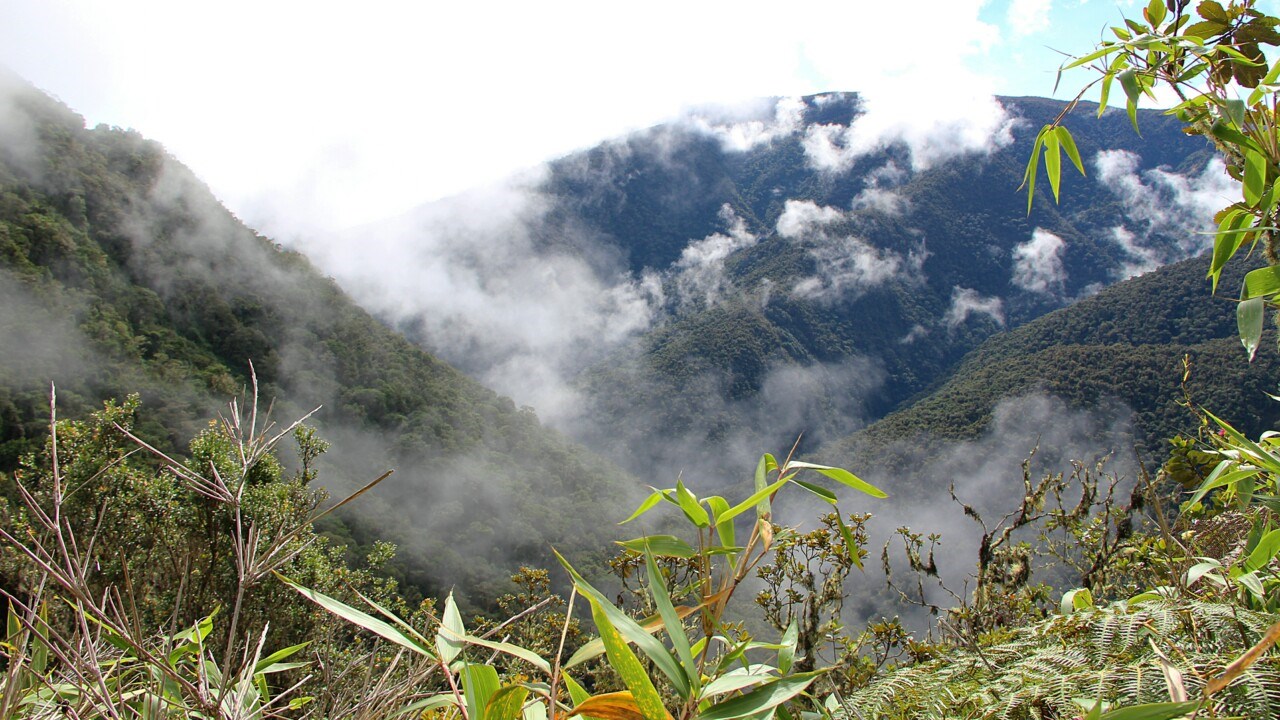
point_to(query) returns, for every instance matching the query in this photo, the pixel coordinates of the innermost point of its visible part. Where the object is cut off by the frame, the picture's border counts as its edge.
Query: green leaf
(1069, 144)
(577, 693)
(850, 545)
(1132, 89)
(277, 656)
(362, 619)
(1053, 162)
(787, 653)
(1153, 711)
(479, 683)
(759, 499)
(1249, 319)
(515, 651)
(627, 665)
(1155, 12)
(646, 506)
(1262, 555)
(691, 507)
(449, 637)
(826, 495)
(675, 627)
(1255, 177)
(763, 509)
(726, 534)
(844, 477)
(506, 703)
(661, 545)
(632, 630)
(1033, 166)
(761, 699)
(1262, 282)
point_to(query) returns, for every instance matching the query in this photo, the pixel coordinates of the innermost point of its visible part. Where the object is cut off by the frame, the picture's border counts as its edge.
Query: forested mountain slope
(120, 272)
(1123, 349)
(685, 296)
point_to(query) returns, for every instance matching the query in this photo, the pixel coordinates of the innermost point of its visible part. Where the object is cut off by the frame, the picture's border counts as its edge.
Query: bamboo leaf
(761, 699)
(672, 621)
(1053, 162)
(479, 683)
(844, 477)
(506, 703)
(611, 706)
(1069, 144)
(661, 545)
(361, 618)
(646, 506)
(449, 637)
(627, 665)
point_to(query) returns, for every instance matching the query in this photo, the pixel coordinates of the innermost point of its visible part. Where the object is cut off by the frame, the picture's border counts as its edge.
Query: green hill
(120, 272)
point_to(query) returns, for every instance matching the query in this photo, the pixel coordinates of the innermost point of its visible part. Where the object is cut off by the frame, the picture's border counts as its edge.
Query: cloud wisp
(1166, 213)
(1037, 263)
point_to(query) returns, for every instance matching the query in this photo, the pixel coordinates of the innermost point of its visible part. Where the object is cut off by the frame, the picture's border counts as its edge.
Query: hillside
(120, 272)
(1120, 351)
(682, 297)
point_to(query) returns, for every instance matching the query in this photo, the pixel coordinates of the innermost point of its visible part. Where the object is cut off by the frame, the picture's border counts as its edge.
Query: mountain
(687, 296)
(120, 272)
(1120, 352)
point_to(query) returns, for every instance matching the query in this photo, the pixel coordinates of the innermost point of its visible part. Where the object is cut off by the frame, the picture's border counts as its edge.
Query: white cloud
(799, 217)
(700, 269)
(879, 200)
(966, 302)
(742, 135)
(1168, 215)
(1037, 263)
(1027, 17)
(953, 122)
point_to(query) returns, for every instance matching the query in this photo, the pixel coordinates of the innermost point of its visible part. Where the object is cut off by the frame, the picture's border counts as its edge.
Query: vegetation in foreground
(226, 604)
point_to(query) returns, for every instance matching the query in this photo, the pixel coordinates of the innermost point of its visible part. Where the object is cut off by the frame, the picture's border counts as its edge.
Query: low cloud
(740, 135)
(477, 282)
(966, 302)
(800, 217)
(700, 275)
(895, 118)
(845, 265)
(848, 266)
(1037, 263)
(1168, 215)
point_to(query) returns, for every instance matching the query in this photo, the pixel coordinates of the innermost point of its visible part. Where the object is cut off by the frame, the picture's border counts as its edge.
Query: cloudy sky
(314, 115)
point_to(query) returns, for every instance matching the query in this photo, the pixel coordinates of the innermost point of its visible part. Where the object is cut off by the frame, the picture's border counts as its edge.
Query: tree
(1213, 62)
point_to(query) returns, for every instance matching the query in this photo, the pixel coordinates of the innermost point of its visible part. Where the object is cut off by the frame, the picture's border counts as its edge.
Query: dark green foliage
(120, 272)
(1125, 345)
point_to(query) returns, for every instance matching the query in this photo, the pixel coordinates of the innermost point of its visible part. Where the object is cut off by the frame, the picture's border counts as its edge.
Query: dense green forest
(122, 274)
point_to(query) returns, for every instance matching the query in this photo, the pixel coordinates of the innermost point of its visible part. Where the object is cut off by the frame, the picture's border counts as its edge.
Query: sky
(313, 116)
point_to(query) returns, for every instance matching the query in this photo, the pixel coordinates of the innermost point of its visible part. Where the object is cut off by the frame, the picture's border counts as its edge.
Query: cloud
(494, 284)
(700, 269)
(742, 135)
(847, 266)
(1168, 216)
(878, 200)
(1027, 17)
(1037, 263)
(799, 217)
(984, 470)
(966, 302)
(958, 123)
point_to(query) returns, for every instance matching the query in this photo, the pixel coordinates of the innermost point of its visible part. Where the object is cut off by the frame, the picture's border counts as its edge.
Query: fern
(1046, 669)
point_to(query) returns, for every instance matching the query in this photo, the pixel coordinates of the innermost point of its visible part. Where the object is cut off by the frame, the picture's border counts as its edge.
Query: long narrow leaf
(761, 699)
(675, 627)
(844, 477)
(627, 665)
(361, 618)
